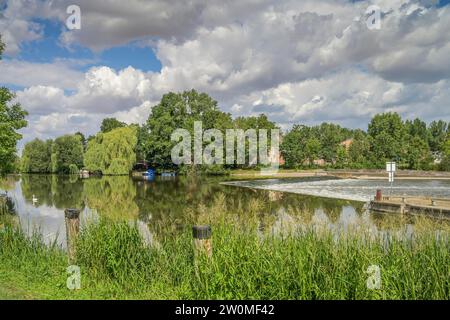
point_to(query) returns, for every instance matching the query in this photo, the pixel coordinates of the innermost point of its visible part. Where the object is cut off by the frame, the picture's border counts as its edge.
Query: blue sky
(49, 48)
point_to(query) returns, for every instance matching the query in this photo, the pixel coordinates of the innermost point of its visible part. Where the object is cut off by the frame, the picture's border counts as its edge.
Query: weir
(438, 207)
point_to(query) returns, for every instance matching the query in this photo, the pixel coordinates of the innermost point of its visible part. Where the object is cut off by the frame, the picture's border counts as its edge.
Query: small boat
(149, 173)
(34, 199)
(168, 174)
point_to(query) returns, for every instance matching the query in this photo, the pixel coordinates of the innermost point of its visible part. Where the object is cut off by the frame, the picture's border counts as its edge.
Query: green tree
(109, 124)
(437, 135)
(143, 133)
(12, 118)
(66, 151)
(256, 123)
(293, 146)
(83, 140)
(388, 138)
(445, 164)
(359, 151)
(419, 155)
(312, 149)
(341, 157)
(418, 128)
(112, 153)
(330, 136)
(180, 111)
(36, 156)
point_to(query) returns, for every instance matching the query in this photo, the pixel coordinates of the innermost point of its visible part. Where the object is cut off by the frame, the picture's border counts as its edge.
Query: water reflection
(112, 197)
(170, 201)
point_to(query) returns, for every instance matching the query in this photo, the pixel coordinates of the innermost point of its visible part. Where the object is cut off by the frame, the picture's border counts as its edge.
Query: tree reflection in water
(170, 204)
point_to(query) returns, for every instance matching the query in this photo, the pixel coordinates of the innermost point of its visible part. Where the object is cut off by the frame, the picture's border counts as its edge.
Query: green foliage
(2, 47)
(256, 123)
(36, 156)
(330, 136)
(445, 164)
(359, 151)
(109, 124)
(73, 169)
(143, 134)
(83, 140)
(388, 138)
(180, 111)
(305, 144)
(112, 153)
(411, 143)
(12, 118)
(67, 150)
(293, 146)
(418, 155)
(418, 128)
(446, 147)
(341, 157)
(437, 135)
(313, 148)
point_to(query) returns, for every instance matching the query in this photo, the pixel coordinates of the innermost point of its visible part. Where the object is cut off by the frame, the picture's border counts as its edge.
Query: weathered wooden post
(72, 218)
(379, 195)
(3, 205)
(202, 240)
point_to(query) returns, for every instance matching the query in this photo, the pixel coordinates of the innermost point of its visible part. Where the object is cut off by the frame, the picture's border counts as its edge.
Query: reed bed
(248, 262)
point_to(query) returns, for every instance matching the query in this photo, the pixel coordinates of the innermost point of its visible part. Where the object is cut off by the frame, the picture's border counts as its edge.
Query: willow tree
(112, 153)
(36, 156)
(67, 151)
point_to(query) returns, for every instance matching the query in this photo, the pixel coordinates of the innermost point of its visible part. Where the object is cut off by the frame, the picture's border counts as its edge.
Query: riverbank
(368, 174)
(288, 262)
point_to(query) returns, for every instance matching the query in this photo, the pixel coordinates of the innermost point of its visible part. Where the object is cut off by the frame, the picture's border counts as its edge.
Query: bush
(73, 169)
(445, 164)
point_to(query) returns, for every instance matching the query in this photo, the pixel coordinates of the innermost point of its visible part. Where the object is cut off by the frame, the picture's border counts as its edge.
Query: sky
(305, 61)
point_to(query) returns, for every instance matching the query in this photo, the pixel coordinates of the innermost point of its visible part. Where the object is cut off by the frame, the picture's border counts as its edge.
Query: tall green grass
(305, 263)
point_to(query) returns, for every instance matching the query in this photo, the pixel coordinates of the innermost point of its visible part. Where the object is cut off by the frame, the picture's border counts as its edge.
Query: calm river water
(170, 198)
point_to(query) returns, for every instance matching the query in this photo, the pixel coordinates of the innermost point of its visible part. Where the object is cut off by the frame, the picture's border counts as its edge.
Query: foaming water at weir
(351, 189)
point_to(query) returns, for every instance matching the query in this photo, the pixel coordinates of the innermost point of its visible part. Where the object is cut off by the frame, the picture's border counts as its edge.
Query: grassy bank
(298, 263)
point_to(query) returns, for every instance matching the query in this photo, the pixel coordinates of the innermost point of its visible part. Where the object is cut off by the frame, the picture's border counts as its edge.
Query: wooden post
(3, 206)
(72, 217)
(379, 195)
(202, 240)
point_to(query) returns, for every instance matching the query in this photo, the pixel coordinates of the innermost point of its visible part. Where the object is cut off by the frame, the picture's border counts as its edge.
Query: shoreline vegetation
(119, 147)
(287, 261)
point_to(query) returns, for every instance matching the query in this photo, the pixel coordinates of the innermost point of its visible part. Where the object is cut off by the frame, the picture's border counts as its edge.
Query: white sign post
(391, 167)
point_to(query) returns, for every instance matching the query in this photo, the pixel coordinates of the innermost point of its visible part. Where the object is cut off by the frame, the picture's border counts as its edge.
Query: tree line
(412, 143)
(118, 146)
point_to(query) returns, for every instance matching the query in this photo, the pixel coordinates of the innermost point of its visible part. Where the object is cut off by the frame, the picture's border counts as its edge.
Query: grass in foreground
(306, 263)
